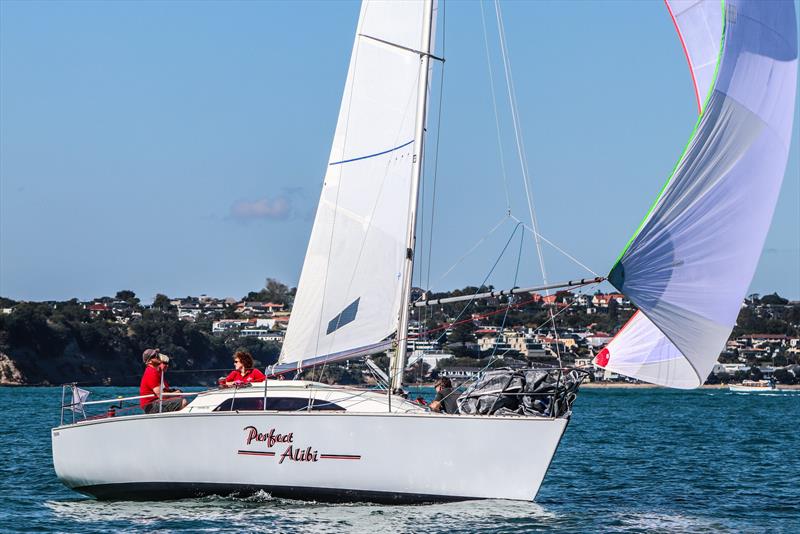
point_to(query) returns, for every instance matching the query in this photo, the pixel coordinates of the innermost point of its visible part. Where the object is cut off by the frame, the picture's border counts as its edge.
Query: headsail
(691, 261)
(349, 293)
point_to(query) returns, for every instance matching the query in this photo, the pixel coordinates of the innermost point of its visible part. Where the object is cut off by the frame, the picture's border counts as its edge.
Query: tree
(613, 312)
(779, 360)
(755, 373)
(274, 291)
(462, 333)
(774, 299)
(161, 302)
(783, 376)
(125, 294)
(417, 372)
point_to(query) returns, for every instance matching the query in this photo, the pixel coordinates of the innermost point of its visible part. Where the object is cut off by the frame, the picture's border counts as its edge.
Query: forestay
(690, 263)
(349, 293)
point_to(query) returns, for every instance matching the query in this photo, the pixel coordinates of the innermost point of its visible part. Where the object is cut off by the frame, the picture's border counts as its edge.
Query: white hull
(348, 456)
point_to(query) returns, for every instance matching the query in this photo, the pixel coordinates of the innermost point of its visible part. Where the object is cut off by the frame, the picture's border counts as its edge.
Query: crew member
(150, 387)
(445, 400)
(243, 372)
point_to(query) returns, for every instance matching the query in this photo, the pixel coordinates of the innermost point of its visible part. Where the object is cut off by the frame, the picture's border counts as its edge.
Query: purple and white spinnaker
(690, 263)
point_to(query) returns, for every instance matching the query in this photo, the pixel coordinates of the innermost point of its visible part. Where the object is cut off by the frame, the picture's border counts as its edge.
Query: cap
(148, 354)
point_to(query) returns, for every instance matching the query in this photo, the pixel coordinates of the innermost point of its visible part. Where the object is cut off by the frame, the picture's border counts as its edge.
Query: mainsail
(350, 289)
(690, 263)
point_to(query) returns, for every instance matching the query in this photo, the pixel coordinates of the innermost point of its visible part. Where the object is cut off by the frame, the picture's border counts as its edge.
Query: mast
(398, 362)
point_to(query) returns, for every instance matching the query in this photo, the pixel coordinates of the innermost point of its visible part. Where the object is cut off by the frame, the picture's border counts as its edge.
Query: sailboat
(686, 268)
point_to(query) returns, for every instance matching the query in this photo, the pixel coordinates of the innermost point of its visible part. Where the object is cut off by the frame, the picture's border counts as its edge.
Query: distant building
(97, 308)
(599, 339)
(258, 308)
(430, 358)
(459, 373)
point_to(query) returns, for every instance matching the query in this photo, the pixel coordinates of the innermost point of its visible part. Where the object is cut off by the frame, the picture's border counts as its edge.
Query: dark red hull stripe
(257, 453)
(340, 456)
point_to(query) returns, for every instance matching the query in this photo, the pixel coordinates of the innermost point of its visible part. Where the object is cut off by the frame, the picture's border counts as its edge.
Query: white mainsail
(350, 289)
(691, 261)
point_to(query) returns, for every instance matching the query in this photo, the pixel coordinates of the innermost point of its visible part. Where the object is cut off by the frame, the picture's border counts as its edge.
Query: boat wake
(262, 512)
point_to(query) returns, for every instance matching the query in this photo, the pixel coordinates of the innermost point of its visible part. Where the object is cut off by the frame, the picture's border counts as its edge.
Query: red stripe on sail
(688, 58)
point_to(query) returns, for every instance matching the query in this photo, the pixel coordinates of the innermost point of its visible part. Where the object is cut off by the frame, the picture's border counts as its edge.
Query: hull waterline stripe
(256, 453)
(371, 155)
(149, 491)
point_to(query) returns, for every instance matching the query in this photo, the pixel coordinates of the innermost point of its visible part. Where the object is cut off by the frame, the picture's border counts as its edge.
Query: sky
(179, 147)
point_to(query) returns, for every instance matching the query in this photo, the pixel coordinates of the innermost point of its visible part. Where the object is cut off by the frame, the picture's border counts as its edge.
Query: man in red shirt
(151, 384)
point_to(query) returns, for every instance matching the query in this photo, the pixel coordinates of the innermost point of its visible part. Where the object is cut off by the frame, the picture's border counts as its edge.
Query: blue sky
(179, 147)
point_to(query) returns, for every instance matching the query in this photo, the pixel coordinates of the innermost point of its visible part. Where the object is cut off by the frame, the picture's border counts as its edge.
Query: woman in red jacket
(243, 370)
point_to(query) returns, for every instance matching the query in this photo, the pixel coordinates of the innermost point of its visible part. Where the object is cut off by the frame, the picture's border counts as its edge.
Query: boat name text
(270, 438)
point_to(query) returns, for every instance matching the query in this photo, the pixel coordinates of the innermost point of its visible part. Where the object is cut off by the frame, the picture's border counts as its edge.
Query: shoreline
(631, 385)
(587, 385)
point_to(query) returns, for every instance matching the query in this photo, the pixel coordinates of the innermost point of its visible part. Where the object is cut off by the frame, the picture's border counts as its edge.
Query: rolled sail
(689, 265)
(349, 292)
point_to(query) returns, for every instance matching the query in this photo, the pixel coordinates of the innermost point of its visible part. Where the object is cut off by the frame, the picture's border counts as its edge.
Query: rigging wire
(438, 137)
(518, 134)
(516, 275)
(480, 241)
(427, 314)
(469, 302)
(559, 249)
(471, 381)
(496, 114)
(521, 152)
(486, 278)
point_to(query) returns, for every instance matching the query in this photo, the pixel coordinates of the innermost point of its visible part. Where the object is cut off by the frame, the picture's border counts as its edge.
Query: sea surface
(632, 460)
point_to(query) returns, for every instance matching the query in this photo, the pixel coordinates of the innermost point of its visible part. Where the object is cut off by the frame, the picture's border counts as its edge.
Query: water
(631, 461)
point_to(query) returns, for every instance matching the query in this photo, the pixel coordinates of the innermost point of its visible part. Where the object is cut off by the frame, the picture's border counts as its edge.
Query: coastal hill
(100, 342)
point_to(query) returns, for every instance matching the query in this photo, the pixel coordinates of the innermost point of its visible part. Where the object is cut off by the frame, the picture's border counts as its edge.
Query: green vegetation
(57, 342)
(274, 291)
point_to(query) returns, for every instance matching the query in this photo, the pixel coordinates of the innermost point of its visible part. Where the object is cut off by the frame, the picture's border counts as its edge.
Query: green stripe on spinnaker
(686, 147)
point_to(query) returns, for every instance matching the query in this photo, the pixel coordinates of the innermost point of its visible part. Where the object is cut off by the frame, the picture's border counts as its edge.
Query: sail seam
(401, 47)
(371, 155)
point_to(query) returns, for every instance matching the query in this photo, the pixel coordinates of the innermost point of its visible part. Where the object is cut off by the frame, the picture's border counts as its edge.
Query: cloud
(277, 208)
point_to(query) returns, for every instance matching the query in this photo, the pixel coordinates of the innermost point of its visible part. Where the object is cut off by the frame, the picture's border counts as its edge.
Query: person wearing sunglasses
(156, 365)
(243, 370)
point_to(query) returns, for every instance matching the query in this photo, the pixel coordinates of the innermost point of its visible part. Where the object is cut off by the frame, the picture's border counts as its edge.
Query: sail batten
(691, 261)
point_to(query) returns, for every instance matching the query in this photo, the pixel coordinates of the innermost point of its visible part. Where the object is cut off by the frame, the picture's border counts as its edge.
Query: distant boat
(754, 386)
